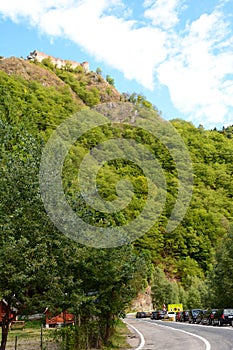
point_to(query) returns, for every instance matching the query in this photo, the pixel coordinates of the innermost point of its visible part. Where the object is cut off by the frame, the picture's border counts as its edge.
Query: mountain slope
(39, 96)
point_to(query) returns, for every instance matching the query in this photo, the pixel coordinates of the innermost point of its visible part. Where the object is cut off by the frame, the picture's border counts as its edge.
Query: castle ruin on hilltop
(59, 63)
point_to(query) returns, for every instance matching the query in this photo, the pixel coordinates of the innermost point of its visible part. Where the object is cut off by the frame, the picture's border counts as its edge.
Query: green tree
(29, 256)
(110, 80)
(163, 290)
(48, 63)
(221, 283)
(196, 293)
(42, 267)
(98, 70)
(115, 275)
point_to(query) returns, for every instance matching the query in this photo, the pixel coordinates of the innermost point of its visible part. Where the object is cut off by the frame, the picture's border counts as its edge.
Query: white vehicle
(171, 315)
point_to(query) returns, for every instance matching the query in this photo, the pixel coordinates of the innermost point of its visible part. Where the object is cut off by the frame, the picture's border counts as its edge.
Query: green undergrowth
(32, 331)
(119, 339)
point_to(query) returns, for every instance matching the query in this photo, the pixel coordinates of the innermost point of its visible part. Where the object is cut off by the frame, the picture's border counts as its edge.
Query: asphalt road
(161, 335)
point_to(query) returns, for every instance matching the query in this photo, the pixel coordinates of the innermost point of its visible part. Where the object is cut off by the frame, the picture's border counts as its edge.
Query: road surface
(161, 335)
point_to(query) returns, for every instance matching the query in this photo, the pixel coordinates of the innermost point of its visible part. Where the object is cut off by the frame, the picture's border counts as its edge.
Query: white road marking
(142, 340)
(207, 344)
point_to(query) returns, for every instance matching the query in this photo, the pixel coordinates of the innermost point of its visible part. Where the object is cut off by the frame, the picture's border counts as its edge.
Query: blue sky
(177, 53)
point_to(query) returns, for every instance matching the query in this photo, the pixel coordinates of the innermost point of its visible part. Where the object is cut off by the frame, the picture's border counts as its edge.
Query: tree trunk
(5, 329)
(108, 327)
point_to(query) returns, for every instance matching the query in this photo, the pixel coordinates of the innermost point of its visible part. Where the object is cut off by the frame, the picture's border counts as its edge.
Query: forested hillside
(42, 266)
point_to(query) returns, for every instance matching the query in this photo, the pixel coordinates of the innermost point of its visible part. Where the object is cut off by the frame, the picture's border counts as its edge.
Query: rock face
(143, 302)
(30, 71)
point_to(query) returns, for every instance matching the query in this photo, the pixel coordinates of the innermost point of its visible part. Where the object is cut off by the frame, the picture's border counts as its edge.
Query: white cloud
(195, 62)
(163, 13)
(196, 73)
(118, 42)
(32, 10)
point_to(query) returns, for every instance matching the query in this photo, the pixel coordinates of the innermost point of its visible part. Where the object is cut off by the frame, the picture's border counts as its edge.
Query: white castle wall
(39, 56)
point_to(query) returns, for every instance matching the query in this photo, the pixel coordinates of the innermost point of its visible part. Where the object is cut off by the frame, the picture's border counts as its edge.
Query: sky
(177, 53)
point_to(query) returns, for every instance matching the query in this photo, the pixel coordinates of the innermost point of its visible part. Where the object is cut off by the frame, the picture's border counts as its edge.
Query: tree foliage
(220, 279)
(28, 268)
(40, 267)
(110, 80)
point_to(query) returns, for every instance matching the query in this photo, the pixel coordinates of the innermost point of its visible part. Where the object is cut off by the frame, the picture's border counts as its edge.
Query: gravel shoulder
(133, 338)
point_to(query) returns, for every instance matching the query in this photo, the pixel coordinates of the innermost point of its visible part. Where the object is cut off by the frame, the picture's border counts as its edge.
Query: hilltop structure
(59, 63)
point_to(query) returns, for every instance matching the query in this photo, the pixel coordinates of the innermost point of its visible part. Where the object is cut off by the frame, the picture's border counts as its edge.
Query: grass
(32, 332)
(119, 339)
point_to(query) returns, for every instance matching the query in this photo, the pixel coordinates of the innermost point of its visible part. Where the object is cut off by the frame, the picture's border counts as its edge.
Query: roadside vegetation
(34, 335)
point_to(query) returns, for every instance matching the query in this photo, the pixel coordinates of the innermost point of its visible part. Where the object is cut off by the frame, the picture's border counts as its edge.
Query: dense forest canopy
(35, 98)
(29, 103)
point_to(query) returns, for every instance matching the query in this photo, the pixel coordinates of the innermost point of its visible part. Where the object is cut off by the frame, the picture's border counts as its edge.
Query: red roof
(58, 319)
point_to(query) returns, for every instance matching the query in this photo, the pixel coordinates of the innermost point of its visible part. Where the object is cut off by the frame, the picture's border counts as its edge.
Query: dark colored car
(154, 315)
(182, 316)
(208, 316)
(200, 316)
(185, 316)
(161, 314)
(193, 314)
(157, 315)
(222, 317)
(140, 314)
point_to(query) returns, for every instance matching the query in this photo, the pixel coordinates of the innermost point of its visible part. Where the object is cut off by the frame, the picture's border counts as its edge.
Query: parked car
(140, 314)
(223, 317)
(185, 316)
(208, 316)
(179, 316)
(200, 316)
(182, 316)
(157, 315)
(160, 315)
(143, 314)
(170, 315)
(154, 315)
(193, 315)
